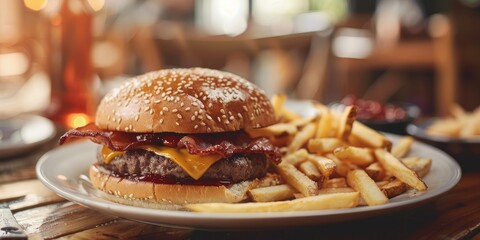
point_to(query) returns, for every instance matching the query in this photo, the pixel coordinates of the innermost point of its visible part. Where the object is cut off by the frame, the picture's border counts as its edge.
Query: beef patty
(140, 162)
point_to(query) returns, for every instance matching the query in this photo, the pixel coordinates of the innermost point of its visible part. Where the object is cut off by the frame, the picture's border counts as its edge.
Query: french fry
(335, 183)
(271, 179)
(324, 145)
(325, 165)
(445, 127)
(457, 111)
(320, 202)
(469, 127)
(311, 171)
(421, 166)
(324, 122)
(272, 193)
(273, 130)
(297, 179)
(375, 171)
(361, 202)
(346, 122)
(369, 191)
(341, 168)
(278, 101)
(403, 146)
(394, 188)
(301, 122)
(302, 137)
(369, 137)
(355, 155)
(381, 183)
(399, 170)
(335, 190)
(296, 157)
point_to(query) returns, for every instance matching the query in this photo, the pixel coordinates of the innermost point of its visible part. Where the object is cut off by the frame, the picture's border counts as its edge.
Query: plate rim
(419, 130)
(116, 208)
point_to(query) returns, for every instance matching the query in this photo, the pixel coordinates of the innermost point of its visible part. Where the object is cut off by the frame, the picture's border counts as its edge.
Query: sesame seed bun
(192, 100)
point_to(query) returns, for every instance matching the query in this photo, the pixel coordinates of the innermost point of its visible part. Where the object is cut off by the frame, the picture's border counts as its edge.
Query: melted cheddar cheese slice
(194, 165)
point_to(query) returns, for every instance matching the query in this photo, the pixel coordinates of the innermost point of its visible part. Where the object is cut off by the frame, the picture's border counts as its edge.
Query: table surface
(43, 214)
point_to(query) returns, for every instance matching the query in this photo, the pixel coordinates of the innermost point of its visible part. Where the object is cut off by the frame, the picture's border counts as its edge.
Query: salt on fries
(330, 161)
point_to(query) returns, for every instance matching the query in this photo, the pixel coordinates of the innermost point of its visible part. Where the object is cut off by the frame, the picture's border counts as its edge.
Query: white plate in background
(23, 133)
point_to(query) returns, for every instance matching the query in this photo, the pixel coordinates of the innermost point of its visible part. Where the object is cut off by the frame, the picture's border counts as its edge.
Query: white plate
(63, 169)
(23, 133)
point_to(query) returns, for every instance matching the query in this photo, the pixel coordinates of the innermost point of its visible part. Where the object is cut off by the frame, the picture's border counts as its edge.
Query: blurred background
(57, 58)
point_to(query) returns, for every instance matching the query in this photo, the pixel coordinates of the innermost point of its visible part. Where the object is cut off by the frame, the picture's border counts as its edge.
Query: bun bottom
(165, 196)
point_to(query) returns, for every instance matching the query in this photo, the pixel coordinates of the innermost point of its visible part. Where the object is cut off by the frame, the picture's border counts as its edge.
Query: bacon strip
(224, 144)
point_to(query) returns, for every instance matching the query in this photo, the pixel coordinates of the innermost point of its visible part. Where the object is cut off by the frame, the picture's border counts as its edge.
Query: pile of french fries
(461, 124)
(330, 161)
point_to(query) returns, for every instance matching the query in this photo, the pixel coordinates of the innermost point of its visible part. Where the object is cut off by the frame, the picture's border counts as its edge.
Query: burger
(178, 136)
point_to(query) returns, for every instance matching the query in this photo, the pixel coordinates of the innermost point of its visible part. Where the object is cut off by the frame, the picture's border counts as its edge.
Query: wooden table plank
(125, 229)
(60, 219)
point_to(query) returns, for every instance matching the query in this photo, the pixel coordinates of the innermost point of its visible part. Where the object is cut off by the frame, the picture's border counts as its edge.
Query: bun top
(195, 100)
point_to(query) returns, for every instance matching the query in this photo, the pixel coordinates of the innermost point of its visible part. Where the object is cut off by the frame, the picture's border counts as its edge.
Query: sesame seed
(178, 124)
(193, 118)
(179, 116)
(202, 123)
(223, 111)
(161, 121)
(187, 109)
(195, 127)
(231, 118)
(175, 110)
(165, 109)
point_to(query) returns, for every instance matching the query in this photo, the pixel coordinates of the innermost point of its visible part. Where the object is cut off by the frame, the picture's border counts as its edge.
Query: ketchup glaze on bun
(177, 136)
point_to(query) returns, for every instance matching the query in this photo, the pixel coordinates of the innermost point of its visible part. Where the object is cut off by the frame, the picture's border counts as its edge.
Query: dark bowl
(465, 151)
(397, 126)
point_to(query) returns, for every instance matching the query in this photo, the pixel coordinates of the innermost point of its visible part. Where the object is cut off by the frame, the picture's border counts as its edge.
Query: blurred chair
(435, 52)
(181, 46)
(313, 82)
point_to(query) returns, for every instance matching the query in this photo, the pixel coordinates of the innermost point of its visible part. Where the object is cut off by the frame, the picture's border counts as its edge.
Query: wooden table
(44, 215)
